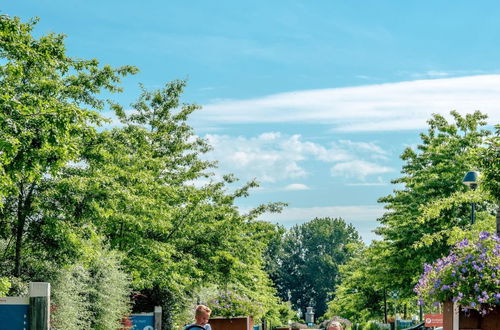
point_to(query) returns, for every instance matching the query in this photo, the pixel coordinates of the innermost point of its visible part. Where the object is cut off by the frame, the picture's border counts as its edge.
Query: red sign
(433, 320)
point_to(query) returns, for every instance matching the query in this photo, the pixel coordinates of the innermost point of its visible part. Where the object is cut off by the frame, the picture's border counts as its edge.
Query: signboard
(433, 320)
(145, 321)
(14, 313)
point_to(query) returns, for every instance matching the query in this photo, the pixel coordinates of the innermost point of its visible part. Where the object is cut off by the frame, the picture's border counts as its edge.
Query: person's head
(334, 325)
(202, 314)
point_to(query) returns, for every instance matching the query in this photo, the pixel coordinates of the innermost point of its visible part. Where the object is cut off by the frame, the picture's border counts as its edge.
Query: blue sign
(13, 316)
(143, 321)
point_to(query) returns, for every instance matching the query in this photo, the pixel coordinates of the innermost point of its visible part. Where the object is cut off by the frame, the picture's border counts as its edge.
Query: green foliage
(426, 214)
(91, 294)
(4, 286)
(63, 183)
(431, 201)
(70, 299)
(359, 297)
(489, 159)
(306, 264)
(49, 104)
(137, 189)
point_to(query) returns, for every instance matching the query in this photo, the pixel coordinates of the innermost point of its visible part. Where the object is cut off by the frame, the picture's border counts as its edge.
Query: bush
(92, 294)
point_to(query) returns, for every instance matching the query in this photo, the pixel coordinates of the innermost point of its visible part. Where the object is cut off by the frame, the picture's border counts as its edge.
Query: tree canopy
(160, 221)
(306, 265)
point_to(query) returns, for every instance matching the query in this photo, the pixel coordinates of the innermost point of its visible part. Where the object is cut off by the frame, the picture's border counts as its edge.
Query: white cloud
(378, 182)
(297, 186)
(392, 106)
(264, 157)
(359, 169)
(273, 156)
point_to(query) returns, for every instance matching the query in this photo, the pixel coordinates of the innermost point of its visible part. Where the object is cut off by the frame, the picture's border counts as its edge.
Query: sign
(14, 313)
(145, 321)
(433, 320)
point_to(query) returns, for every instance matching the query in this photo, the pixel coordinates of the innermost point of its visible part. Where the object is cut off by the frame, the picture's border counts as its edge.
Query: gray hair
(335, 324)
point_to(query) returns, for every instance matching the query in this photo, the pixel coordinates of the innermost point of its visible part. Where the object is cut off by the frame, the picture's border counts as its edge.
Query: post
(472, 214)
(385, 306)
(450, 316)
(157, 317)
(456, 316)
(39, 306)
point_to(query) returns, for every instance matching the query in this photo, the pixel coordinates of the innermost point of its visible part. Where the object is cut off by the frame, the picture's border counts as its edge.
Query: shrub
(92, 294)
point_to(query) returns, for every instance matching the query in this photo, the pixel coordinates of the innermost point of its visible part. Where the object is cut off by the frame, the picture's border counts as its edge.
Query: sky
(314, 99)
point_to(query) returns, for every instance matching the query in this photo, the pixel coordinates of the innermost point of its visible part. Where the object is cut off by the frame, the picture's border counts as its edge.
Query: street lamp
(471, 179)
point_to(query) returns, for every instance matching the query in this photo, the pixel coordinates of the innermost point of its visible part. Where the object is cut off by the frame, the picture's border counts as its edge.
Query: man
(201, 316)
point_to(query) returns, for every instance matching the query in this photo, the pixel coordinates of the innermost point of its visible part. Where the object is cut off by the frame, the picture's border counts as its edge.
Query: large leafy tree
(140, 186)
(428, 212)
(49, 104)
(307, 269)
(432, 172)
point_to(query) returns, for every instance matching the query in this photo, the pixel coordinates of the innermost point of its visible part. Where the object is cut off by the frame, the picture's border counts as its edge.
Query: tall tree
(432, 173)
(309, 263)
(136, 187)
(48, 103)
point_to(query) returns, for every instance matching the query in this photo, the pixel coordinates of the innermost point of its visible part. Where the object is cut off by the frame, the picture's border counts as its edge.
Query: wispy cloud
(383, 107)
(296, 186)
(378, 182)
(359, 169)
(273, 157)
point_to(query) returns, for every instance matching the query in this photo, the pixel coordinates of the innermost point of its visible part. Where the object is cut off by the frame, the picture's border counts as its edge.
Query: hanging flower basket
(469, 275)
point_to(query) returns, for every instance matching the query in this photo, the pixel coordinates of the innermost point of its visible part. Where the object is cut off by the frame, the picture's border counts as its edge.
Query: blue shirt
(206, 327)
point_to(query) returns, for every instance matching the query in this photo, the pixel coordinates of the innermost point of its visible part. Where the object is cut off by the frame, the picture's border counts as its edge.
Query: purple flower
(484, 235)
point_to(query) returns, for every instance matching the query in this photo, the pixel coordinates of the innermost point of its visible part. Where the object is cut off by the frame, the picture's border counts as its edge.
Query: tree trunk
(23, 209)
(21, 221)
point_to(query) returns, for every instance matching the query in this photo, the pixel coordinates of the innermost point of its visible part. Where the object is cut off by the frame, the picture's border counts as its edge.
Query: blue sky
(315, 99)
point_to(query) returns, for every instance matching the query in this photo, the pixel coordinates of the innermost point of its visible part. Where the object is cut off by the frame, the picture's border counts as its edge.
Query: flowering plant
(469, 275)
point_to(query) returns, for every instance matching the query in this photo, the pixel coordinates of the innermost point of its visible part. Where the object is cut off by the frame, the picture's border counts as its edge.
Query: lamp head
(471, 179)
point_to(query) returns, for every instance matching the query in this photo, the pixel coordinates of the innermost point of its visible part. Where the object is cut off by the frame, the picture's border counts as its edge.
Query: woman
(334, 325)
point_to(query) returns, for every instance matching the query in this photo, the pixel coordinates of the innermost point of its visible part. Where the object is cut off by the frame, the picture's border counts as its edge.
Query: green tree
(360, 295)
(308, 266)
(48, 103)
(432, 172)
(136, 187)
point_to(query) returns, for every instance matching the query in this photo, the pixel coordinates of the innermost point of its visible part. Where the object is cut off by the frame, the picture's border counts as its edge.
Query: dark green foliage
(306, 266)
